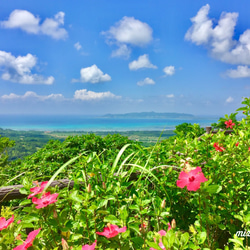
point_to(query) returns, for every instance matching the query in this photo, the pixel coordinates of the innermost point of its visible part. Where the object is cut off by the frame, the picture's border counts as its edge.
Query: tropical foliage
(190, 191)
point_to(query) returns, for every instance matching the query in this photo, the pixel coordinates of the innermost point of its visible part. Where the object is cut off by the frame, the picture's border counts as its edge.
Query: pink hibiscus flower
(191, 179)
(112, 230)
(29, 241)
(45, 200)
(88, 247)
(4, 224)
(229, 124)
(38, 189)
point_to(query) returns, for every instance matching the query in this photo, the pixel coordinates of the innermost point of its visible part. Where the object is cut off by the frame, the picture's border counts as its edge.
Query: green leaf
(76, 236)
(236, 216)
(153, 245)
(237, 241)
(184, 239)
(134, 207)
(111, 219)
(212, 189)
(247, 218)
(25, 202)
(23, 191)
(222, 226)
(138, 242)
(75, 196)
(31, 218)
(202, 237)
(134, 227)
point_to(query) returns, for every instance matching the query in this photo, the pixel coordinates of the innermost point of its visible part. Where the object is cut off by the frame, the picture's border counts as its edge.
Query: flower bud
(89, 188)
(173, 223)
(65, 244)
(163, 204)
(104, 185)
(55, 214)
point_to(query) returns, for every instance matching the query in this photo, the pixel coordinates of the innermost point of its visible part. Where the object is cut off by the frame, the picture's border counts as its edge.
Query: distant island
(149, 115)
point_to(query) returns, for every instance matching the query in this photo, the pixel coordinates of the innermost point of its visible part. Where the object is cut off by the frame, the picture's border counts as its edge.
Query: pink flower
(4, 224)
(19, 221)
(45, 200)
(237, 144)
(28, 242)
(112, 230)
(88, 247)
(37, 190)
(229, 124)
(218, 148)
(191, 179)
(162, 233)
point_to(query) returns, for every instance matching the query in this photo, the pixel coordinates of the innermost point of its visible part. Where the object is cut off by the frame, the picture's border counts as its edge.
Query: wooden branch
(12, 192)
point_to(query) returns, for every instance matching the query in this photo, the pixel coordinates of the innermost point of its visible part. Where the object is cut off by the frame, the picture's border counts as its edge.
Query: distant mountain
(150, 115)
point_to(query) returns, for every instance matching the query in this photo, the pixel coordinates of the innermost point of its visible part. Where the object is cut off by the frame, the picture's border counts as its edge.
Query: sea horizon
(95, 123)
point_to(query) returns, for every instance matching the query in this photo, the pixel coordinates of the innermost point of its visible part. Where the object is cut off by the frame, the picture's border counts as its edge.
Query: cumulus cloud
(18, 69)
(170, 96)
(86, 95)
(229, 99)
(29, 23)
(78, 46)
(240, 72)
(32, 95)
(146, 81)
(142, 62)
(128, 31)
(219, 38)
(169, 70)
(123, 51)
(92, 74)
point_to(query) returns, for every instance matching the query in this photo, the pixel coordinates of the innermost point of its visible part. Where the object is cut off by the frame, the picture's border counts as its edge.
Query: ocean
(94, 123)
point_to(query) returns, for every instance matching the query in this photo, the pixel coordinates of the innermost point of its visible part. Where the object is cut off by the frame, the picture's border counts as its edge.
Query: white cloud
(170, 96)
(219, 39)
(122, 51)
(85, 95)
(146, 81)
(169, 70)
(78, 46)
(229, 99)
(27, 22)
(18, 69)
(240, 72)
(92, 74)
(128, 31)
(142, 62)
(131, 31)
(32, 95)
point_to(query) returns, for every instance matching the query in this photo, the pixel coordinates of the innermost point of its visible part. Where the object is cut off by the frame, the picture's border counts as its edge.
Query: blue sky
(98, 57)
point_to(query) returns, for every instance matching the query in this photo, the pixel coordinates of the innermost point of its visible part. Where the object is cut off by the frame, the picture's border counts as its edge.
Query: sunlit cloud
(92, 74)
(86, 95)
(18, 69)
(26, 21)
(240, 72)
(141, 62)
(146, 81)
(128, 31)
(32, 95)
(218, 39)
(169, 70)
